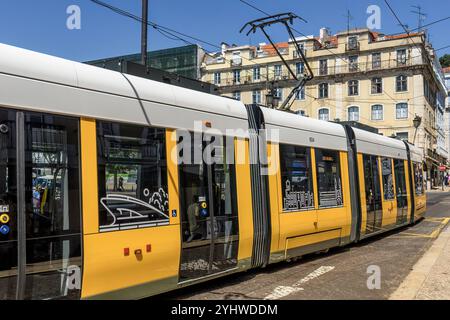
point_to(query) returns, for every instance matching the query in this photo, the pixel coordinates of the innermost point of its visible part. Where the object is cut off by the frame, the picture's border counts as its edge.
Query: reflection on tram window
(329, 178)
(388, 180)
(53, 223)
(296, 178)
(373, 195)
(132, 175)
(418, 178)
(208, 207)
(402, 194)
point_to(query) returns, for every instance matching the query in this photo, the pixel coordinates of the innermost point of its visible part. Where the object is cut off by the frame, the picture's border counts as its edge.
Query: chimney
(224, 47)
(324, 34)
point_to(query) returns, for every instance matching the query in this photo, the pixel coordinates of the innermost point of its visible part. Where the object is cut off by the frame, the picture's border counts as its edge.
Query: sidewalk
(430, 276)
(446, 189)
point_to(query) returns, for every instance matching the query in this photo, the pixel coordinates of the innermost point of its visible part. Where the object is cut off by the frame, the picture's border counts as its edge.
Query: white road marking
(283, 291)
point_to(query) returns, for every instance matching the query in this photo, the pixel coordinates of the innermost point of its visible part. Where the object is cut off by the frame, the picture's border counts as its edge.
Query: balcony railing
(247, 77)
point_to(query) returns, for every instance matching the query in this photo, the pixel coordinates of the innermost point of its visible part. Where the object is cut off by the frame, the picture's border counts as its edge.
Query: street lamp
(416, 122)
(269, 98)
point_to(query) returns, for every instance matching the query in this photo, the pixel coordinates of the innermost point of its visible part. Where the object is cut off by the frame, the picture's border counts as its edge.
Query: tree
(445, 60)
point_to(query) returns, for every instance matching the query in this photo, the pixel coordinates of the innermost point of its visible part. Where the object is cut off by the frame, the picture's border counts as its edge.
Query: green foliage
(445, 60)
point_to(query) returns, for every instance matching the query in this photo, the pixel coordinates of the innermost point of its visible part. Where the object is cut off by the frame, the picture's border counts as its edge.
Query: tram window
(388, 180)
(132, 176)
(296, 178)
(53, 215)
(418, 178)
(195, 181)
(329, 178)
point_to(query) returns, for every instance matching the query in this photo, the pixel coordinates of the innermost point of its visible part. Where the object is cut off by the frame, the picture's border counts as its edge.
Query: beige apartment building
(359, 75)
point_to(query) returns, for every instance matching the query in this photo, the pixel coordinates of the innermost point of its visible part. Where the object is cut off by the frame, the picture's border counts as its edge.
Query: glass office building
(184, 61)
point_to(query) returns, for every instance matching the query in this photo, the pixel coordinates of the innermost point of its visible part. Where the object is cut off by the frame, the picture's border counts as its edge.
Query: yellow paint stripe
(432, 235)
(89, 175)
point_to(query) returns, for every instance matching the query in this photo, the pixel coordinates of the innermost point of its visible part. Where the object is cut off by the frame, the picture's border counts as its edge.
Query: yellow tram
(114, 186)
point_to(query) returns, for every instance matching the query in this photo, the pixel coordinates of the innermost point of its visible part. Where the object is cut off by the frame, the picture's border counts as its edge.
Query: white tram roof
(378, 145)
(39, 82)
(298, 130)
(416, 153)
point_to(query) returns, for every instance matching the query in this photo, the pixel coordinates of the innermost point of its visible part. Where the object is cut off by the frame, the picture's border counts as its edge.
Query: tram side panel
(309, 220)
(120, 262)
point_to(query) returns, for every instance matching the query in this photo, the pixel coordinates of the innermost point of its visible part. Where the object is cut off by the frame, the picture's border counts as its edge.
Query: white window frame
(382, 86)
(277, 70)
(328, 113)
(217, 77)
(299, 95)
(357, 88)
(237, 72)
(348, 113)
(256, 73)
(237, 95)
(407, 110)
(256, 93)
(371, 112)
(407, 83)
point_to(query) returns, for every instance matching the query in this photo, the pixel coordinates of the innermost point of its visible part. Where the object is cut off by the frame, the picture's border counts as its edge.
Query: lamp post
(144, 32)
(417, 121)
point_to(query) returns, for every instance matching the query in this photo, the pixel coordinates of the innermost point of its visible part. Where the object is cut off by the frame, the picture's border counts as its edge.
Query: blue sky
(41, 25)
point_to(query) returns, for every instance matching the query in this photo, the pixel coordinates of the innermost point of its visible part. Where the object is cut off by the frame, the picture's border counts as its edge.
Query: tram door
(209, 220)
(40, 233)
(402, 194)
(373, 193)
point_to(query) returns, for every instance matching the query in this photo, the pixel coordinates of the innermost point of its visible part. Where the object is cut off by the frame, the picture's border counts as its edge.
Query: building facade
(359, 75)
(446, 72)
(184, 61)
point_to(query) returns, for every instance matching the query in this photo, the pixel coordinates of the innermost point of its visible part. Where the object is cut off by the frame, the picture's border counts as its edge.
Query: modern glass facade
(184, 61)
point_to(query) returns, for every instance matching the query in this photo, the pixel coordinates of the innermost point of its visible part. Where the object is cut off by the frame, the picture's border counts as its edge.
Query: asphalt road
(342, 273)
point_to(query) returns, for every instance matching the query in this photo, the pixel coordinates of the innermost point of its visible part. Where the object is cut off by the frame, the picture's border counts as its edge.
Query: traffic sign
(4, 229)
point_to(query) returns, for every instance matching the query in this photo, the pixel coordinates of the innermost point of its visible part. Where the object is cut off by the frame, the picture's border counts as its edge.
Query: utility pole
(421, 16)
(144, 32)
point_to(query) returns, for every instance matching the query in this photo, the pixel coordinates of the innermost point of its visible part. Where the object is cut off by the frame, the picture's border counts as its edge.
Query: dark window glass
(52, 206)
(353, 63)
(323, 90)
(353, 88)
(402, 194)
(373, 193)
(132, 176)
(418, 178)
(377, 85)
(329, 178)
(209, 215)
(296, 178)
(323, 67)
(53, 210)
(376, 60)
(388, 179)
